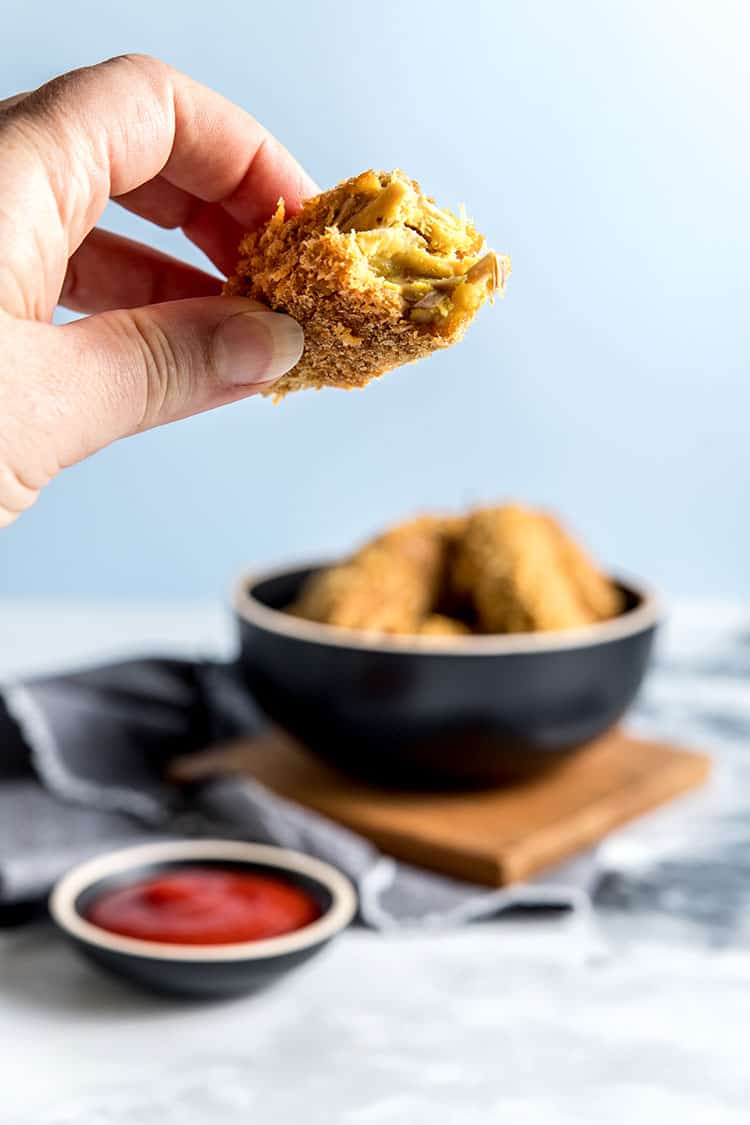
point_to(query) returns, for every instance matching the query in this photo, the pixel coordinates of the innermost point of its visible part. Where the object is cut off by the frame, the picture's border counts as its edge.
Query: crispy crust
(524, 573)
(357, 323)
(440, 625)
(389, 585)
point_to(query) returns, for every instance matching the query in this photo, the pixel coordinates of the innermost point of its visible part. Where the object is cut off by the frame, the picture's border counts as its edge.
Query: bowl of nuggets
(461, 649)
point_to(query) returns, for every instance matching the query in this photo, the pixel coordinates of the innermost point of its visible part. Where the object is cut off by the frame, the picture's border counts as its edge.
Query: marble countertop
(636, 1014)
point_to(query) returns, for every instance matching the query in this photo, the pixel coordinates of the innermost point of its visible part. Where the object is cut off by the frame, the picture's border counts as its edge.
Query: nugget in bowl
(390, 585)
(522, 573)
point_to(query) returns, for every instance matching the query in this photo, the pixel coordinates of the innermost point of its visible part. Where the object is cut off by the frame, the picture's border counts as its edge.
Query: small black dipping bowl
(200, 970)
(435, 711)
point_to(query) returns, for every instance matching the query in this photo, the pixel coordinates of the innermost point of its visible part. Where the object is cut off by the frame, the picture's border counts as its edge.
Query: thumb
(132, 369)
(68, 391)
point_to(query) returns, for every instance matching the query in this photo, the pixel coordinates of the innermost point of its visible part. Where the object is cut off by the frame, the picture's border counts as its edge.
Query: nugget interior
(435, 262)
(375, 272)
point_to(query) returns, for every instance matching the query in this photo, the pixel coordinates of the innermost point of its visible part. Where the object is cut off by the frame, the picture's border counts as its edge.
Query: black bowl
(200, 970)
(427, 711)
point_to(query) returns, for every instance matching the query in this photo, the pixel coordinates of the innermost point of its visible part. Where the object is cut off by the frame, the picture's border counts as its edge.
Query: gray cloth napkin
(82, 759)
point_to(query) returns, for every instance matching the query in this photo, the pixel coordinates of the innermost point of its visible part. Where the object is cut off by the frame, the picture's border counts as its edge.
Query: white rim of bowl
(647, 614)
(70, 886)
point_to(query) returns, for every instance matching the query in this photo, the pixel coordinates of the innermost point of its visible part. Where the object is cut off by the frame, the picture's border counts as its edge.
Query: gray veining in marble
(689, 867)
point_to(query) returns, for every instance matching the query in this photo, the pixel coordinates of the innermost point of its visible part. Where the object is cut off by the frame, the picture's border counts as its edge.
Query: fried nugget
(389, 585)
(375, 272)
(439, 625)
(424, 542)
(522, 572)
(378, 593)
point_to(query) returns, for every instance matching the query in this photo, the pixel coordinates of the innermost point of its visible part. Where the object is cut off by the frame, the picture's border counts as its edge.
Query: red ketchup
(204, 906)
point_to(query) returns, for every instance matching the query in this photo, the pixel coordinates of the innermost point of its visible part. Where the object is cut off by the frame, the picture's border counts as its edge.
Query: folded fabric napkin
(82, 762)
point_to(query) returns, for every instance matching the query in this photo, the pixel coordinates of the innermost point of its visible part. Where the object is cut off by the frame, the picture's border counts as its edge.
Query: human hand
(162, 344)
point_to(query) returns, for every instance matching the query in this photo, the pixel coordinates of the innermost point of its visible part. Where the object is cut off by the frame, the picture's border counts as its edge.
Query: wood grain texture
(494, 836)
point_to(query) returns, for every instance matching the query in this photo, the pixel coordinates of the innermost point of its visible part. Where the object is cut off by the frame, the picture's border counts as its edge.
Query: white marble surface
(529, 1019)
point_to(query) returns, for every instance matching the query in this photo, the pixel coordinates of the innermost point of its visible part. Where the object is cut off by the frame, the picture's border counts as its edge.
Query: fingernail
(256, 347)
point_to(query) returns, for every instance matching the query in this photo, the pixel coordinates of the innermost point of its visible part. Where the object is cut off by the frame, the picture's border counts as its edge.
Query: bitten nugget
(522, 572)
(375, 272)
(389, 585)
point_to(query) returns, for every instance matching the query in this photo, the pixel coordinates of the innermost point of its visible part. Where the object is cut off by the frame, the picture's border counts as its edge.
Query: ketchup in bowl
(204, 906)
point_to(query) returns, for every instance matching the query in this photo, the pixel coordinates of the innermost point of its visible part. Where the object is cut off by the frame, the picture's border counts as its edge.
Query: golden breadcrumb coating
(375, 593)
(389, 585)
(595, 591)
(376, 274)
(439, 625)
(523, 573)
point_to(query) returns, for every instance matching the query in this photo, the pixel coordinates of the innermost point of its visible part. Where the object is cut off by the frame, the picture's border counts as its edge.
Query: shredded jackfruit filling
(428, 255)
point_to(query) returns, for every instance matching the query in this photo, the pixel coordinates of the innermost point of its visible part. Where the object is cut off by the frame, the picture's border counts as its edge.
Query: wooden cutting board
(494, 836)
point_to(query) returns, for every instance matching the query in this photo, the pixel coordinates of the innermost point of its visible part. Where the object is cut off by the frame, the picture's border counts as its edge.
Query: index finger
(108, 129)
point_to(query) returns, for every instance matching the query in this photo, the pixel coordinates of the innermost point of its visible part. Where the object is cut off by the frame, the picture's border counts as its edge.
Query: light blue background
(604, 145)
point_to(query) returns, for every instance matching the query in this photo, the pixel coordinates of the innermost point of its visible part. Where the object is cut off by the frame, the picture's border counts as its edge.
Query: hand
(162, 344)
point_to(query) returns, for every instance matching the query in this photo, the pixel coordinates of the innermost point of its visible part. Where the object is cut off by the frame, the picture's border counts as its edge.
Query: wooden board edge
(456, 863)
(687, 770)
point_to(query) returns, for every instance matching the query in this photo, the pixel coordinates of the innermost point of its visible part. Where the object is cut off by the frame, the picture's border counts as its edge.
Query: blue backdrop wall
(605, 146)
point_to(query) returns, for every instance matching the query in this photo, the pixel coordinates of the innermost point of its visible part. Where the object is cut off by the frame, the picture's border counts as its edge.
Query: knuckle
(160, 365)
(133, 58)
(150, 80)
(7, 516)
(15, 495)
(148, 65)
(70, 295)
